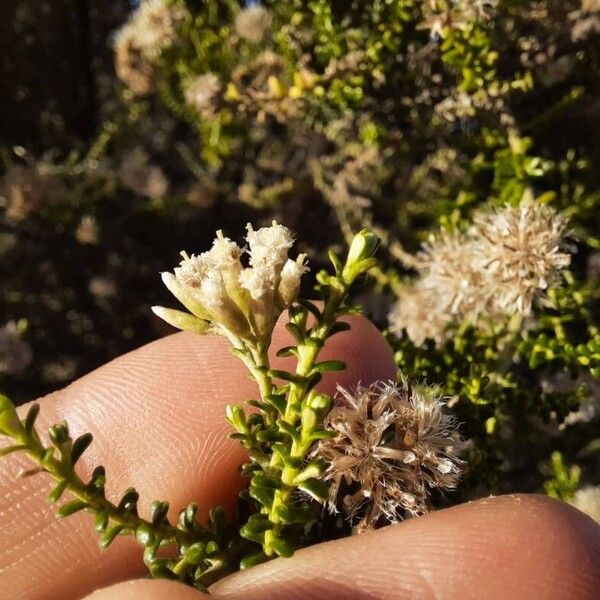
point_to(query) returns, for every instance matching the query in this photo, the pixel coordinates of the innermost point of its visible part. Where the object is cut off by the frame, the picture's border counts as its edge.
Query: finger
(157, 415)
(517, 547)
(147, 589)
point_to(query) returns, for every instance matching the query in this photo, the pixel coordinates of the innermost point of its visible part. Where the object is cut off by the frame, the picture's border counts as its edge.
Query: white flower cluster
(228, 298)
(139, 43)
(203, 93)
(501, 266)
(253, 23)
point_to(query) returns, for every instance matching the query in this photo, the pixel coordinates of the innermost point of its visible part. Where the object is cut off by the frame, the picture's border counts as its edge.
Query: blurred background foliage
(130, 133)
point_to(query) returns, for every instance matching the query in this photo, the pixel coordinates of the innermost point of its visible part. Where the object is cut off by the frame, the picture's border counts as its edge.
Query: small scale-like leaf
(109, 535)
(253, 559)
(10, 449)
(71, 508)
(80, 445)
(58, 490)
(144, 535)
(254, 529)
(129, 500)
(216, 519)
(339, 327)
(286, 376)
(278, 401)
(327, 366)
(32, 414)
(296, 332)
(315, 488)
(281, 547)
(288, 428)
(101, 521)
(291, 515)
(322, 434)
(97, 480)
(212, 548)
(195, 553)
(158, 511)
(335, 261)
(288, 351)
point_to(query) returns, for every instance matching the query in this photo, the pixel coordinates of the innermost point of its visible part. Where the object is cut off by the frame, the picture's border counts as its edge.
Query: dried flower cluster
(394, 444)
(139, 43)
(226, 298)
(253, 23)
(501, 266)
(15, 354)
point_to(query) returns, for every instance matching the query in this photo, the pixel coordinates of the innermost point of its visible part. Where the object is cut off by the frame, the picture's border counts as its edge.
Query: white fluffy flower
(503, 265)
(203, 93)
(253, 23)
(224, 296)
(150, 29)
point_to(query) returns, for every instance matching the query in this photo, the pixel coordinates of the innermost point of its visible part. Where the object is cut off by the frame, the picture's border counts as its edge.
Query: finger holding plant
(375, 458)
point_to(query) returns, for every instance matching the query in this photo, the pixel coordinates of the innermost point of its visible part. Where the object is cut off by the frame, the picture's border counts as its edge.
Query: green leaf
(339, 327)
(158, 512)
(80, 445)
(97, 480)
(288, 428)
(254, 529)
(281, 547)
(10, 449)
(288, 351)
(144, 535)
(129, 500)
(291, 515)
(101, 521)
(279, 401)
(32, 414)
(58, 490)
(71, 508)
(286, 376)
(252, 560)
(315, 488)
(109, 535)
(328, 366)
(10, 424)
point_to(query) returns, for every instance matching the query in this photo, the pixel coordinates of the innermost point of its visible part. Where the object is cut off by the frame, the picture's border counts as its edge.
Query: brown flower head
(394, 445)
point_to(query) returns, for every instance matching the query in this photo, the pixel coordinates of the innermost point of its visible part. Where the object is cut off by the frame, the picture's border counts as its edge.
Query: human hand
(157, 415)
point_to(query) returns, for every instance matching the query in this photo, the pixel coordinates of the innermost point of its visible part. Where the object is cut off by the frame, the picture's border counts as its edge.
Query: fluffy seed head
(253, 23)
(503, 265)
(394, 445)
(150, 29)
(203, 94)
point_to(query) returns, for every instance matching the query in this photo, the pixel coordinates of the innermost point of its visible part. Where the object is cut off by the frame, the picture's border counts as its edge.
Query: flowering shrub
(461, 133)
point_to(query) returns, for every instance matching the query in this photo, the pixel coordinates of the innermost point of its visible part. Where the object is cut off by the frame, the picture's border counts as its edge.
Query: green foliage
(278, 435)
(565, 480)
(186, 551)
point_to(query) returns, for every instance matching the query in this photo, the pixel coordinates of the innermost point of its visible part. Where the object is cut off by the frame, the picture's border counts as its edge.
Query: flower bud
(10, 424)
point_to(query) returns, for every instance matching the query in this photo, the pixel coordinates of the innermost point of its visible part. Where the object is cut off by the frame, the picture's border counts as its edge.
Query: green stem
(63, 471)
(297, 398)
